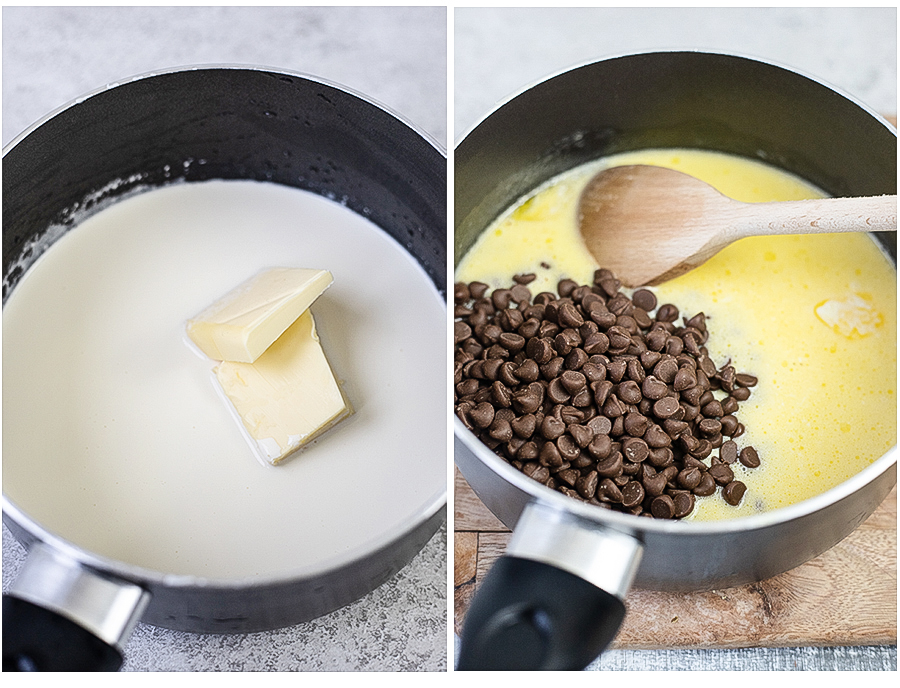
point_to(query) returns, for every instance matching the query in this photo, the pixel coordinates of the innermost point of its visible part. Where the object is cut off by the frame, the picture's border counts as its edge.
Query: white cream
(115, 438)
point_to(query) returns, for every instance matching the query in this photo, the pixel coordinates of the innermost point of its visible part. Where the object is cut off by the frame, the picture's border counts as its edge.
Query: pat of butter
(288, 396)
(243, 324)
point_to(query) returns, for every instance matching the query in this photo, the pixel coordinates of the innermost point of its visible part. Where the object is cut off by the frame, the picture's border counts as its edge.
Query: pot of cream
(277, 169)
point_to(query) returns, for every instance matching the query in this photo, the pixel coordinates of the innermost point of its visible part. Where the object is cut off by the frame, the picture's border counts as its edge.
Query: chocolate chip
(552, 427)
(629, 392)
(566, 287)
(632, 494)
(567, 447)
(600, 446)
(524, 426)
(601, 390)
(749, 457)
(644, 298)
(556, 391)
(730, 405)
(721, 473)
(608, 491)
(529, 328)
(610, 286)
(666, 370)
(654, 388)
(619, 338)
(576, 359)
(662, 507)
(501, 430)
(635, 371)
(573, 381)
(616, 369)
(656, 437)
(549, 455)
(726, 378)
(654, 485)
(539, 349)
(666, 407)
(529, 399)
(587, 485)
(511, 341)
(684, 503)
(527, 371)
(613, 407)
(706, 486)
(740, 393)
(596, 343)
(636, 424)
(709, 426)
(501, 395)
(482, 415)
(674, 428)
(733, 492)
(569, 476)
(684, 379)
(528, 451)
(689, 478)
(635, 449)
(535, 470)
(674, 346)
(667, 313)
(612, 466)
(600, 425)
(569, 316)
(728, 452)
(712, 409)
(729, 425)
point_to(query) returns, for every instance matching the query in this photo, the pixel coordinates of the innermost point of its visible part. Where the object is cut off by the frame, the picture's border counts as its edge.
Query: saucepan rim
(213, 66)
(503, 102)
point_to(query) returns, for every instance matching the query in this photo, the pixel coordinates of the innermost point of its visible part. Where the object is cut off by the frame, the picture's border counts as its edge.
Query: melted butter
(812, 316)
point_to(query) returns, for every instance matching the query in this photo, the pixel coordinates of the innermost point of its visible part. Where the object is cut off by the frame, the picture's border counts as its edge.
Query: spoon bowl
(649, 224)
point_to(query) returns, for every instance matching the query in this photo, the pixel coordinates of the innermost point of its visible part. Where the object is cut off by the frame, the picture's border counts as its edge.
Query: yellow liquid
(812, 316)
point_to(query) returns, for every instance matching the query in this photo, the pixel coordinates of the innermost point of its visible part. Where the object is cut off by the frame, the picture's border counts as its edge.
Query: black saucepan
(72, 608)
(555, 599)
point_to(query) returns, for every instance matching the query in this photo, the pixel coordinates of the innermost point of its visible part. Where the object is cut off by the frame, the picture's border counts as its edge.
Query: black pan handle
(61, 615)
(37, 639)
(554, 600)
(528, 615)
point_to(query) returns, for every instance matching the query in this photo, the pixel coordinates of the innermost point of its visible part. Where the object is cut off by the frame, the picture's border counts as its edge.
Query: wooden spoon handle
(825, 215)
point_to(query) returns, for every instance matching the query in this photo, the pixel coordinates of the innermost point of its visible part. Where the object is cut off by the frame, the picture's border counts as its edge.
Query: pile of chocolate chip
(600, 396)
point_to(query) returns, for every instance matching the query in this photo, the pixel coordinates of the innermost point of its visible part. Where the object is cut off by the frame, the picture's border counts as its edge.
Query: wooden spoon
(649, 224)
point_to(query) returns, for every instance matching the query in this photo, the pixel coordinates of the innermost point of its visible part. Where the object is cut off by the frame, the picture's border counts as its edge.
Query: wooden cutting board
(846, 596)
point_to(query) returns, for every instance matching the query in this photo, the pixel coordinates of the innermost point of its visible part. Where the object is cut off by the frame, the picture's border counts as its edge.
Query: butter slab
(288, 396)
(247, 320)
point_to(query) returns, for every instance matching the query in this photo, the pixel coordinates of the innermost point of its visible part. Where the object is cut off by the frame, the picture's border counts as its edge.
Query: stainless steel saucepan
(555, 599)
(73, 608)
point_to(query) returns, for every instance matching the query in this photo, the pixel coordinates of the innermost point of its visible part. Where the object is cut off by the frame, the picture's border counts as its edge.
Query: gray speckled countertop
(396, 56)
